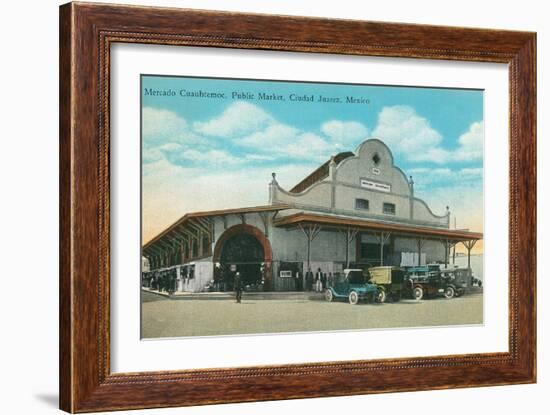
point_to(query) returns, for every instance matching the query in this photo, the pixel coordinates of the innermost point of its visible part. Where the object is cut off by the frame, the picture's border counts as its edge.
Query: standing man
(318, 280)
(238, 287)
(161, 281)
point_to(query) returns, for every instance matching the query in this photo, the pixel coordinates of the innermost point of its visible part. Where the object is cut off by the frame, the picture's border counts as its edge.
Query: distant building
(357, 209)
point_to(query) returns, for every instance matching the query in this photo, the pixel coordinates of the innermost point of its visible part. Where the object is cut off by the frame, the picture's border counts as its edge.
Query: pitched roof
(320, 173)
(206, 214)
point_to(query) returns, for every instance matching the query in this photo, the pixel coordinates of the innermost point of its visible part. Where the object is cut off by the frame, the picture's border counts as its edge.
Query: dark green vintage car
(354, 286)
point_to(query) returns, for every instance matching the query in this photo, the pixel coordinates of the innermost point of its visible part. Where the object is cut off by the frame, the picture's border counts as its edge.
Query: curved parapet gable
(318, 195)
(423, 213)
(374, 162)
(367, 184)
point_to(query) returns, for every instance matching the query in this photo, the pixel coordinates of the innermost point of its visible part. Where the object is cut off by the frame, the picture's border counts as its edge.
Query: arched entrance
(244, 249)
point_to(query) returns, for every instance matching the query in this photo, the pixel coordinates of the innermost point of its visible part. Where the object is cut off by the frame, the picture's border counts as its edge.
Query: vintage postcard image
(277, 206)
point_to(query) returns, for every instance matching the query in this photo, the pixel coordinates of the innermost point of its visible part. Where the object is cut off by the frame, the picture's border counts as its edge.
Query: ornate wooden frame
(86, 33)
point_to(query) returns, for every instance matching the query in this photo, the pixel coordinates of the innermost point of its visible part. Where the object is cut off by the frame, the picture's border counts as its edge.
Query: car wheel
(418, 293)
(449, 292)
(329, 296)
(353, 298)
(380, 296)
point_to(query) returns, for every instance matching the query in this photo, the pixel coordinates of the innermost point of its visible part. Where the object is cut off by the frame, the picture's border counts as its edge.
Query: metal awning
(339, 222)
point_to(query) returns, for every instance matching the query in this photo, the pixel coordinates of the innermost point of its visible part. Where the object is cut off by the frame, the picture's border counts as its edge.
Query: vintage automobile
(353, 285)
(428, 282)
(458, 277)
(389, 280)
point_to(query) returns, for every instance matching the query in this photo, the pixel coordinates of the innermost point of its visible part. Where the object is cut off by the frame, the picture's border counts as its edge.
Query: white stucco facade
(369, 175)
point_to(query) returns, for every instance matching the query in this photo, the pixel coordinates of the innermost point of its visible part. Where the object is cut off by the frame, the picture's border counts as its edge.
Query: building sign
(369, 184)
(285, 274)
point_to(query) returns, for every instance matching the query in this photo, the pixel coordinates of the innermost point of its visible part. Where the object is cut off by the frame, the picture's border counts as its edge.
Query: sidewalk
(218, 295)
(259, 295)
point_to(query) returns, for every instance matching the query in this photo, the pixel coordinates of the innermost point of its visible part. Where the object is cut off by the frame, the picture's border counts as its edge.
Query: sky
(203, 153)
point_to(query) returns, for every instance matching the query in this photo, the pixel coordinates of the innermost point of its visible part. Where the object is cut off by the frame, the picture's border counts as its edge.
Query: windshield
(356, 277)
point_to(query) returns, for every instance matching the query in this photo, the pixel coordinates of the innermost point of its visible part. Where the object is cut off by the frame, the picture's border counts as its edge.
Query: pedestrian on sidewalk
(238, 287)
(318, 281)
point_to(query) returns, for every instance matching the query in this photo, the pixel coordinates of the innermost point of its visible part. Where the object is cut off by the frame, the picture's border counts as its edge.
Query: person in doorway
(237, 284)
(309, 280)
(299, 281)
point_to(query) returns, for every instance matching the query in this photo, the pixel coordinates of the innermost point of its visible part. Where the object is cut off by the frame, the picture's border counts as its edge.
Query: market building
(356, 210)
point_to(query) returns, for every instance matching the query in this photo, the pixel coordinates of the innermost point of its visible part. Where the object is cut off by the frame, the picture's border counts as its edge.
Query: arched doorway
(244, 249)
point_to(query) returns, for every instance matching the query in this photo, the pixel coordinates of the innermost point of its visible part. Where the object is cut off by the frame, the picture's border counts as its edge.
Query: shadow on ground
(50, 399)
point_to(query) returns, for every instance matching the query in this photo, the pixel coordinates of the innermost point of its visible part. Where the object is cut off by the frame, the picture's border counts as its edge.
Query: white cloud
(411, 135)
(262, 137)
(170, 147)
(168, 137)
(239, 118)
(161, 124)
(426, 178)
(165, 131)
(405, 131)
(259, 157)
(271, 138)
(253, 129)
(280, 140)
(210, 156)
(436, 155)
(471, 143)
(150, 155)
(310, 146)
(345, 134)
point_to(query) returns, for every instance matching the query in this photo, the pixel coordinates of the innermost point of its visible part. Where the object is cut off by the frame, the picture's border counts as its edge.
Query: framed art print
(300, 207)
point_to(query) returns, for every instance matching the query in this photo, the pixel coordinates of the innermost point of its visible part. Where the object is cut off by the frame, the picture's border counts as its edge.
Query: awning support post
(384, 236)
(448, 243)
(469, 245)
(266, 218)
(310, 231)
(454, 253)
(349, 235)
(420, 243)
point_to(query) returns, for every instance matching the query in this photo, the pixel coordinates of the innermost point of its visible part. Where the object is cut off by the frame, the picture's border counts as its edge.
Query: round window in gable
(376, 159)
